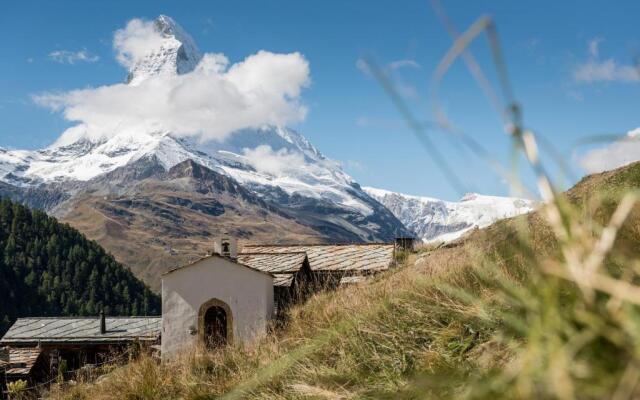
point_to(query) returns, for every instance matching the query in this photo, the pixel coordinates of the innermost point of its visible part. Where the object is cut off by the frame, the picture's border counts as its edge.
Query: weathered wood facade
(37, 349)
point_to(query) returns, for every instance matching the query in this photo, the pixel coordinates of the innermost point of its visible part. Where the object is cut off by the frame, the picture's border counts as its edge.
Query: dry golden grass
(359, 339)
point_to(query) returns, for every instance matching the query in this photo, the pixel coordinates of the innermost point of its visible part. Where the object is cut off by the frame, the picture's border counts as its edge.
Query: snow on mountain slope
(259, 158)
(435, 220)
(176, 53)
(84, 159)
(280, 157)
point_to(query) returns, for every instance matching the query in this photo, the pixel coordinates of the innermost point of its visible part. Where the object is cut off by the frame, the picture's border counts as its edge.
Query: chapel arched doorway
(215, 324)
(215, 327)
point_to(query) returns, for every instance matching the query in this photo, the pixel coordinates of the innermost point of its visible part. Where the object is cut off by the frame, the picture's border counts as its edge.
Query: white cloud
(264, 159)
(596, 70)
(210, 102)
(605, 71)
(133, 42)
(634, 133)
(363, 66)
(594, 47)
(614, 155)
(403, 64)
(72, 57)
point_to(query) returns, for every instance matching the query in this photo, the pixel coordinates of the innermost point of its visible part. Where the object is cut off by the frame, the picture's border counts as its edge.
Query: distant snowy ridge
(434, 220)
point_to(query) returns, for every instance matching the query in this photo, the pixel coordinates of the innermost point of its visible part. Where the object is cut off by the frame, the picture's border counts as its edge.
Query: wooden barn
(33, 349)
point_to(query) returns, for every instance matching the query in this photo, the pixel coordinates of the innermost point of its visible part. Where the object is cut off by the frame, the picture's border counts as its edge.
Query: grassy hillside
(51, 269)
(500, 314)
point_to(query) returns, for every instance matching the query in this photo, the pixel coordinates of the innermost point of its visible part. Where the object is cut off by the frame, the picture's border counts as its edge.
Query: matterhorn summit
(173, 53)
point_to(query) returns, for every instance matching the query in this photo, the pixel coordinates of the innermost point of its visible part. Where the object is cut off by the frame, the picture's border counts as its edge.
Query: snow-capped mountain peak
(434, 220)
(271, 160)
(175, 53)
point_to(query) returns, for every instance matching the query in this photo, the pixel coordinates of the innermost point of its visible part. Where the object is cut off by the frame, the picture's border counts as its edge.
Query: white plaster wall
(247, 292)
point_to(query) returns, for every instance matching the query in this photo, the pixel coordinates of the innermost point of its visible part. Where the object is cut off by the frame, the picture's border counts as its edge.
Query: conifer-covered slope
(50, 269)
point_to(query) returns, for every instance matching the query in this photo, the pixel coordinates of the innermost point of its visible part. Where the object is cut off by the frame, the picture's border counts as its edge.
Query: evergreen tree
(51, 269)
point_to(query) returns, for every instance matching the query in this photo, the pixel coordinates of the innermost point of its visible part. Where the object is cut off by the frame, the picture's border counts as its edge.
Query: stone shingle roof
(82, 330)
(209, 256)
(282, 265)
(284, 280)
(22, 360)
(276, 263)
(330, 258)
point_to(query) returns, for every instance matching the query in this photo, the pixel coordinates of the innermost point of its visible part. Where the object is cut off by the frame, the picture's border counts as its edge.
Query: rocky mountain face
(177, 53)
(155, 200)
(153, 219)
(435, 220)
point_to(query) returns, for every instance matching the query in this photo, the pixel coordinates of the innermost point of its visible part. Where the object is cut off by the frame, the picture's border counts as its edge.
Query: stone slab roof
(284, 280)
(334, 258)
(82, 330)
(276, 263)
(282, 266)
(209, 256)
(22, 360)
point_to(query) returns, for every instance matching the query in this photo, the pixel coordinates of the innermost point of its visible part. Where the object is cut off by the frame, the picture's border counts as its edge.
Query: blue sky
(570, 62)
